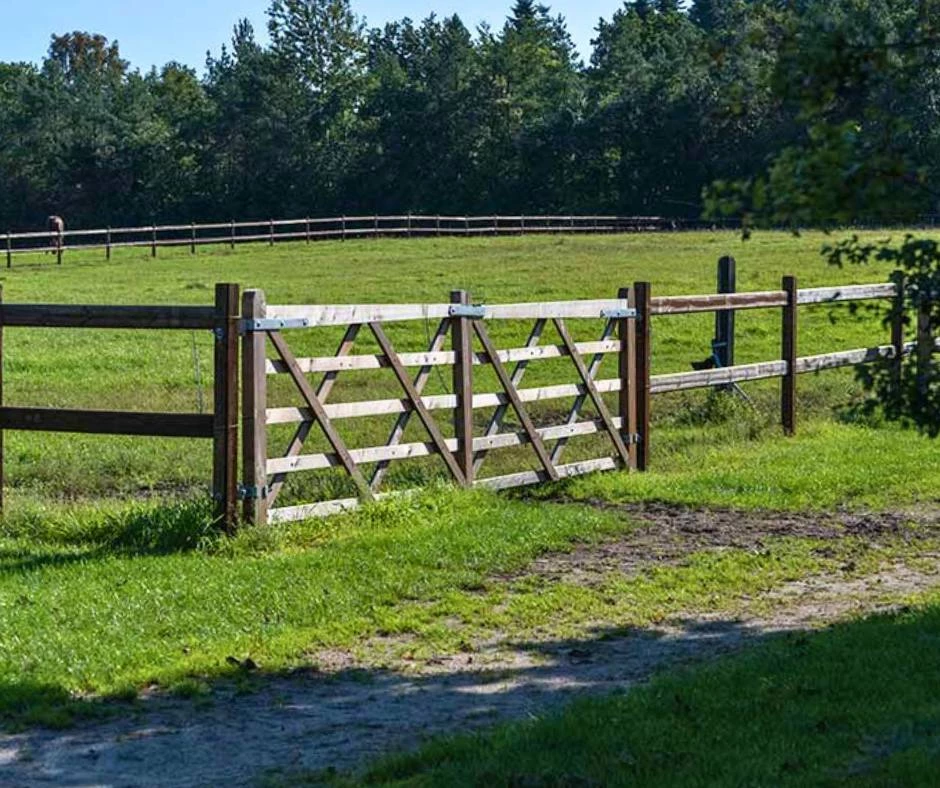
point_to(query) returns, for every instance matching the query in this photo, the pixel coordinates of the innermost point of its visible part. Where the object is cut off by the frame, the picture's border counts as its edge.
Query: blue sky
(155, 31)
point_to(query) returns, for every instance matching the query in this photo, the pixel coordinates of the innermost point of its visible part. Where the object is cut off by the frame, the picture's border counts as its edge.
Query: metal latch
(249, 492)
(619, 314)
(250, 325)
(467, 310)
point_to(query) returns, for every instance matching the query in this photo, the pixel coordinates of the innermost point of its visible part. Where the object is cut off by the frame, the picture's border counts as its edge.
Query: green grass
(858, 704)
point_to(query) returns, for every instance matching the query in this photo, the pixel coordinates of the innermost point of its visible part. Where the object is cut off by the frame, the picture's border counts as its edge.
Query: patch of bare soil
(669, 534)
(340, 717)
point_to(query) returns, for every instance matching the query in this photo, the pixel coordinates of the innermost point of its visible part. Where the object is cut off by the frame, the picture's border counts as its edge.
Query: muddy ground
(340, 717)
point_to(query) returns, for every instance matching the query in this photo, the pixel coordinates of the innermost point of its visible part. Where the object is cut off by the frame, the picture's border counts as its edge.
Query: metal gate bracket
(273, 324)
(467, 310)
(251, 493)
(619, 314)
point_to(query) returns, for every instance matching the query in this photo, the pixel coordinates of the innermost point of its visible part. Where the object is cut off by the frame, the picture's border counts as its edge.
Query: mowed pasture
(172, 370)
(114, 586)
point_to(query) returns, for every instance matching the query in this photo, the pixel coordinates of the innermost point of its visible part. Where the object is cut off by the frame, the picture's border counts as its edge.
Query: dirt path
(310, 720)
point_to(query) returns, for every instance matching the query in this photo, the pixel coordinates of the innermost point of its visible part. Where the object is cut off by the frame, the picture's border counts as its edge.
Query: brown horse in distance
(56, 226)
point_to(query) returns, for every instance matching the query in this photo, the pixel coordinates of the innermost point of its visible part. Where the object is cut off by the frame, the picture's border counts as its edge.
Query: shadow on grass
(34, 539)
(299, 727)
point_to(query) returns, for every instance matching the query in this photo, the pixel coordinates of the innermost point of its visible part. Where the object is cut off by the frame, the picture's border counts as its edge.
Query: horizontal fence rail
(333, 228)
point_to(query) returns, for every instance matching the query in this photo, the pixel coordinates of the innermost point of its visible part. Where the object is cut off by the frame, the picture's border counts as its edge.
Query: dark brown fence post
(107, 244)
(897, 334)
(232, 236)
(225, 430)
(343, 226)
(153, 240)
(254, 404)
(307, 230)
(271, 232)
(409, 224)
(9, 251)
(724, 320)
(641, 293)
(788, 386)
(192, 238)
(58, 249)
(375, 226)
(626, 330)
(463, 386)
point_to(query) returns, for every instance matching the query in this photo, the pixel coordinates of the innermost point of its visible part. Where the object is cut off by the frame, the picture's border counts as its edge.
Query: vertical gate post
(254, 403)
(626, 330)
(225, 429)
(463, 386)
(641, 292)
(724, 320)
(788, 390)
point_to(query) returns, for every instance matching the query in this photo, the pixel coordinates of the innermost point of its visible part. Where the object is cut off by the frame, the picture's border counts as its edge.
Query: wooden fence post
(641, 294)
(724, 320)
(254, 404)
(153, 240)
(225, 420)
(375, 226)
(789, 352)
(307, 230)
(409, 224)
(463, 386)
(437, 224)
(271, 232)
(192, 238)
(58, 250)
(343, 226)
(626, 330)
(9, 251)
(232, 237)
(107, 244)
(898, 315)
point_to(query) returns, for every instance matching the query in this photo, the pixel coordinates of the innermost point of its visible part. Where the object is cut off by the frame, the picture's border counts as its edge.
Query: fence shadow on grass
(294, 724)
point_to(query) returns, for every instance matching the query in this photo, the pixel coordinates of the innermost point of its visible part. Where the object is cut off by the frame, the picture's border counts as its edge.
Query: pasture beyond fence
(463, 345)
(272, 231)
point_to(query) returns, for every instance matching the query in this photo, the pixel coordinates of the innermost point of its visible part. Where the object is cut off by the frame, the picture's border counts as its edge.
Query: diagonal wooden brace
(417, 403)
(592, 391)
(323, 392)
(319, 412)
(506, 382)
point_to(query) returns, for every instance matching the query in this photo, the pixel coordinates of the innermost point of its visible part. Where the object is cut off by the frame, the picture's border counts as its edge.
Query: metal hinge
(619, 314)
(631, 439)
(467, 310)
(250, 325)
(249, 492)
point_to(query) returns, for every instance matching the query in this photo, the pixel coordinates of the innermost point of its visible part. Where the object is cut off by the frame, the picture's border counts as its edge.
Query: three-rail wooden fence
(273, 231)
(461, 342)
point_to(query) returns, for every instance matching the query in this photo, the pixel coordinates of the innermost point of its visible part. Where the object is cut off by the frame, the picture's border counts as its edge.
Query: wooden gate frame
(463, 455)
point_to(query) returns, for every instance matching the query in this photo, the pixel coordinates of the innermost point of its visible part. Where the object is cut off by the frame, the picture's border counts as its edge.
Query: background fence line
(309, 229)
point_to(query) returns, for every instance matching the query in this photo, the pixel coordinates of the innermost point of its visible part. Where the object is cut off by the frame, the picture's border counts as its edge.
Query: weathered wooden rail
(230, 234)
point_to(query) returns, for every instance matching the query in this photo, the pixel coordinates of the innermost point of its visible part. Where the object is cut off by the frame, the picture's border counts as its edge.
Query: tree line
(332, 117)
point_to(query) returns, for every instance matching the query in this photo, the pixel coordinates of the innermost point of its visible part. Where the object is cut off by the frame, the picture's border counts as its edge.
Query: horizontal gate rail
(87, 316)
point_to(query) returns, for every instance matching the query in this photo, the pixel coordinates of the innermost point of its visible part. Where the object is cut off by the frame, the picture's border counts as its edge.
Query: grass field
(172, 371)
(112, 580)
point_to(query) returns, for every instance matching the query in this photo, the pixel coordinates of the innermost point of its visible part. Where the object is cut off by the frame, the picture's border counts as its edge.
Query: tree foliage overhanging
(332, 117)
